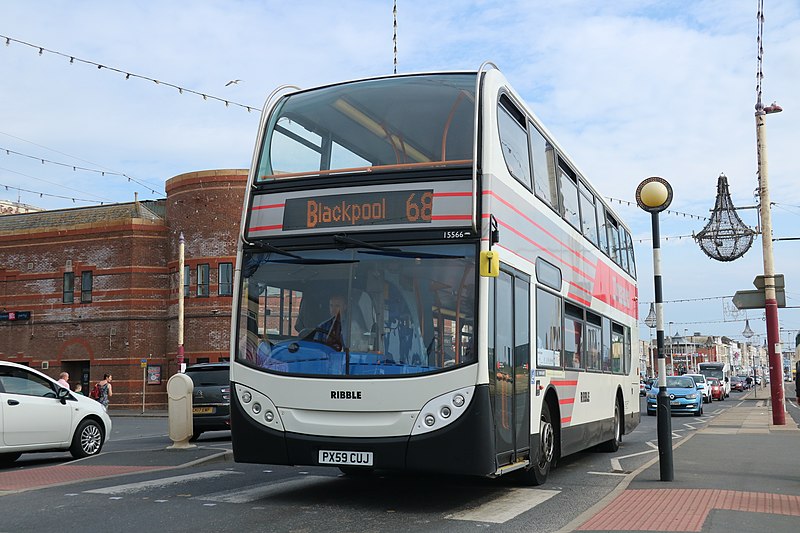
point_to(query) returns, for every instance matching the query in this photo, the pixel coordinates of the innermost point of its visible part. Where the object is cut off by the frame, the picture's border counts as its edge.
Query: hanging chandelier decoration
(725, 237)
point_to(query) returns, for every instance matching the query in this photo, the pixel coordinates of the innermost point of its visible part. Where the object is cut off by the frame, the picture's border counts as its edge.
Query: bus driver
(334, 331)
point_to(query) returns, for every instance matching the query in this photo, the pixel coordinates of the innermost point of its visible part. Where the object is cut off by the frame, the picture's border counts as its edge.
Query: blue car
(683, 396)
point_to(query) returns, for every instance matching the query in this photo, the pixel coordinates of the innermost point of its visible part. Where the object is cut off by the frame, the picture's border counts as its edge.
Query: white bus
(426, 282)
(720, 371)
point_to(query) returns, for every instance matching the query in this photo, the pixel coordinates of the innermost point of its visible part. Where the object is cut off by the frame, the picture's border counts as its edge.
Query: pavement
(739, 471)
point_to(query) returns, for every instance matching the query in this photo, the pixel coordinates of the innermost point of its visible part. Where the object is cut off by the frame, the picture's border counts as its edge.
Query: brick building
(94, 290)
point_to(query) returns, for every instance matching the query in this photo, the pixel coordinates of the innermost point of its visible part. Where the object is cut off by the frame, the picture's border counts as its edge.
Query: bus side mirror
(490, 264)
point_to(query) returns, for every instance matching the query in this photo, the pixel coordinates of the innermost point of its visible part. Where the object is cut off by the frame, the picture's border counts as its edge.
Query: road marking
(609, 473)
(690, 426)
(261, 491)
(505, 507)
(617, 467)
(652, 444)
(158, 483)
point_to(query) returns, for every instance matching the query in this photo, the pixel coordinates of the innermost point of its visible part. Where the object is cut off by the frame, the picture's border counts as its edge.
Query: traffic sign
(756, 299)
(143, 362)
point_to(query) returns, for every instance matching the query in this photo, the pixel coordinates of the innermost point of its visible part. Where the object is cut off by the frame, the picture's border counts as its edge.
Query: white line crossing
(130, 488)
(504, 508)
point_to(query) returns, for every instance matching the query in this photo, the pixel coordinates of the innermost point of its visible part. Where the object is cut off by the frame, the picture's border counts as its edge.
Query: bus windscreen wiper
(342, 238)
(296, 259)
(375, 249)
(270, 248)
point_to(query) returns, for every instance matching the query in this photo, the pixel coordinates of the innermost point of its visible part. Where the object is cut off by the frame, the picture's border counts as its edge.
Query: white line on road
(617, 467)
(157, 483)
(652, 444)
(609, 473)
(259, 492)
(505, 507)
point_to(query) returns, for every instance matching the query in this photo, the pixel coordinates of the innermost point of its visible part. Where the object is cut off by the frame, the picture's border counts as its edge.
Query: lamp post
(650, 322)
(653, 195)
(747, 333)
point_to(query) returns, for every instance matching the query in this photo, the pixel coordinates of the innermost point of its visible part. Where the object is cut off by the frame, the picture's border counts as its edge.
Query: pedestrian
(105, 390)
(77, 389)
(63, 380)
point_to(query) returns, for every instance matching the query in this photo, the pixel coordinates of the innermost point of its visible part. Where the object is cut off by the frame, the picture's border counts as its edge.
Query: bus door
(509, 357)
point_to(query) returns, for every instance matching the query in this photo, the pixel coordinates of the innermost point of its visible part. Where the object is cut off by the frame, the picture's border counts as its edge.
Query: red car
(717, 389)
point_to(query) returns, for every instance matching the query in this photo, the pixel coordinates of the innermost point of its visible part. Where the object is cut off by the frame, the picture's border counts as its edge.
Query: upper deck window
(405, 122)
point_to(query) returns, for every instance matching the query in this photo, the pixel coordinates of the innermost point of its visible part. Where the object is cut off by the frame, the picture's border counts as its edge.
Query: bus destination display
(360, 209)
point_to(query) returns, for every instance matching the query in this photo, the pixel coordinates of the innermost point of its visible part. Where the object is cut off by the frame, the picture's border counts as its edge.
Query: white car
(39, 415)
(703, 386)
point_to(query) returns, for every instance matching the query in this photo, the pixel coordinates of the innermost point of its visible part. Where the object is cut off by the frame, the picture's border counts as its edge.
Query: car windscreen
(211, 377)
(680, 382)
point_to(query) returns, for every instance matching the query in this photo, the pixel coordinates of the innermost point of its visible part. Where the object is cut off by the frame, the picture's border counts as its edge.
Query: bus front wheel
(537, 473)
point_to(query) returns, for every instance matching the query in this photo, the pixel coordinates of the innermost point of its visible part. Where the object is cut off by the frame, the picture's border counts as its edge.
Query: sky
(630, 88)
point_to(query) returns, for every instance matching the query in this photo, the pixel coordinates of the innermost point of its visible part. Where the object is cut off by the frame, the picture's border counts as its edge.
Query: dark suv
(211, 397)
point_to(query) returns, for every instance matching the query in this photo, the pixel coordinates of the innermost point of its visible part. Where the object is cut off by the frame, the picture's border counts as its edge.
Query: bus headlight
(257, 406)
(442, 410)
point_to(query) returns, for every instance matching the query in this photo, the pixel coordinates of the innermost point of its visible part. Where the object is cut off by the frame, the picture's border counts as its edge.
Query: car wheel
(537, 473)
(612, 445)
(195, 435)
(88, 439)
(8, 458)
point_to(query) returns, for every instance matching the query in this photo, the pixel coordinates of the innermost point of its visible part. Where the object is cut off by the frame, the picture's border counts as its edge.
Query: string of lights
(700, 299)
(75, 168)
(41, 194)
(128, 75)
(104, 172)
(54, 183)
(673, 237)
(670, 211)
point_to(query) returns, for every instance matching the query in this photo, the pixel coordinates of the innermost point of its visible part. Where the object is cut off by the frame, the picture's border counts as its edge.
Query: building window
(86, 287)
(186, 280)
(225, 279)
(202, 280)
(69, 287)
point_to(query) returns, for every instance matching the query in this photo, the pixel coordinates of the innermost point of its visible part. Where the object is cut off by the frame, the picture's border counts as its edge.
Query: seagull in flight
(232, 82)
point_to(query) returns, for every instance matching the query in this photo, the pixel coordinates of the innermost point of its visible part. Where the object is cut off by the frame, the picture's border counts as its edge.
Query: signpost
(143, 363)
(756, 299)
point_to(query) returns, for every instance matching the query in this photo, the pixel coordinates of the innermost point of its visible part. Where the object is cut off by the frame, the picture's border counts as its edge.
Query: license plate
(675, 403)
(337, 457)
(202, 410)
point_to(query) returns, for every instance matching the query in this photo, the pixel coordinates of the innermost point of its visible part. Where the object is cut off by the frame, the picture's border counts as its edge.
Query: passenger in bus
(334, 331)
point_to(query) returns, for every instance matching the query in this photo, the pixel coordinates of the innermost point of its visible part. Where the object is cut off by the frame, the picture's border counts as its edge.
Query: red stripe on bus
(566, 401)
(566, 420)
(451, 217)
(564, 383)
(441, 194)
(523, 215)
(579, 299)
(580, 288)
(269, 206)
(266, 228)
(548, 252)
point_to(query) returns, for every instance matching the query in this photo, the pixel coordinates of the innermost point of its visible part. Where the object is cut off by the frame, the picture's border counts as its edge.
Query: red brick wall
(133, 313)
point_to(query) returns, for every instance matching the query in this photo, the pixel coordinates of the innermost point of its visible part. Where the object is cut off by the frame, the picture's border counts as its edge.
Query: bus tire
(537, 473)
(612, 445)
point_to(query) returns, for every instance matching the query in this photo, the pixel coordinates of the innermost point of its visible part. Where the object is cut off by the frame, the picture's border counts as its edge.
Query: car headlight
(691, 396)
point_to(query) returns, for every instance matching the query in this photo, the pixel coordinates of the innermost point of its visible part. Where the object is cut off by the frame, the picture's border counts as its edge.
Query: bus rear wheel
(612, 445)
(537, 473)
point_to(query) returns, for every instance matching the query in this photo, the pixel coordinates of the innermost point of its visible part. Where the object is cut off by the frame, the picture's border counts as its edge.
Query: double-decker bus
(426, 282)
